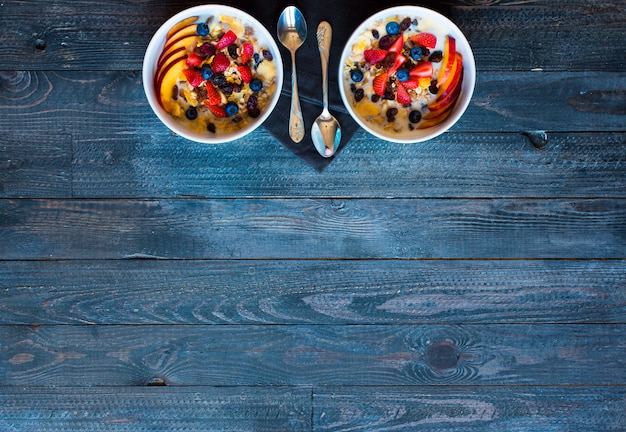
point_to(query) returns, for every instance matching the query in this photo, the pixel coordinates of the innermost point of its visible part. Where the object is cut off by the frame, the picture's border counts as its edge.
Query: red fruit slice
(220, 63)
(422, 70)
(194, 77)
(228, 38)
(245, 73)
(216, 110)
(402, 96)
(399, 61)
(380, 83)
(397, 46)
(194, 59)
(213, 96)
(427, 40)
(247, 50)
(373, 56)
(411, 83)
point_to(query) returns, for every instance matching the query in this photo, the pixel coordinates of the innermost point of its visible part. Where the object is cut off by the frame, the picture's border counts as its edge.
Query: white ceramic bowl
(155, 48)
(429, 21)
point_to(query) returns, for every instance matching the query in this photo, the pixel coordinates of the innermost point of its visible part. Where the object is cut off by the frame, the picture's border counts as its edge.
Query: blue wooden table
(474, 282)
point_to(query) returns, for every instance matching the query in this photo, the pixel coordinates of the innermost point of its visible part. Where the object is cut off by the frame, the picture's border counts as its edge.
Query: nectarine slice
(179, 25)
(168, 79)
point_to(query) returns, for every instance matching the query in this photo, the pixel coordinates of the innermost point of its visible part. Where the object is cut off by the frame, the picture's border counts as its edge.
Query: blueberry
(415, 116)
(402, 74)
(356, 75)
(206, 72)
(256, 85)
(202, 29)
(231, 109)
(416, 53)
(393, 28)
(191, 113)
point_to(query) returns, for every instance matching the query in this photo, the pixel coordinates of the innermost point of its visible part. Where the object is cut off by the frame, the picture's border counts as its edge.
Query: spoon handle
(296, 122)
(324, 37)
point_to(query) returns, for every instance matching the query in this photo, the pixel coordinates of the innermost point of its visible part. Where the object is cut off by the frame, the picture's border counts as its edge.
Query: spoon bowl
(325, 132)
(292, 32)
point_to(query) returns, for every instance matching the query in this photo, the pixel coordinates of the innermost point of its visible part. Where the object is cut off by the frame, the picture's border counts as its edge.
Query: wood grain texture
(505, 35)
(461, 409)
(166, 409)
(112, 105)
(312, 292)
(312, 229)
(534, 164)
(511, 354)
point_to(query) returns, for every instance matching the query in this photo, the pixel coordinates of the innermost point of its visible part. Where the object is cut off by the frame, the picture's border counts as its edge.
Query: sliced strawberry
(399, 61)
(194, 77)
(228, 38)
(380, 83)
(427, 40)
(220, 63)
(193, 59)
(422, 70)
(397, 46)
(402, 96)
(213, 96)
(411, 83)
(217, 111)
(247, 50)
(245, 73)
(374, 56)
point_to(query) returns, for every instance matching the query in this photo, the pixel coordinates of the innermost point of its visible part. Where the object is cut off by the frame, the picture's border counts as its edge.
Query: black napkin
(344, 17)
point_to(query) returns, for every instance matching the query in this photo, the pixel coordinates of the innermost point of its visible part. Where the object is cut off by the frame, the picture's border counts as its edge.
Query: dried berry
(405, 24)
(375, 33)
(210, 127)
(232, 51)
(254, 112)
(389, 95)
(252, 102)
(208, 49)
(433, 87)
(436, 57)
(390, 59)
(385, 42)
(375, 98)
(267, 55)
(352, 87)
(175, 92)
(392, 112)
(359, 94)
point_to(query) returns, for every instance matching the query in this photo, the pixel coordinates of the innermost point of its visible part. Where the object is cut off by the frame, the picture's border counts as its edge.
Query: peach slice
(179, 25)
(175, 57)
(167, 80)
(184, 41)
(449, 96)
(448, 61)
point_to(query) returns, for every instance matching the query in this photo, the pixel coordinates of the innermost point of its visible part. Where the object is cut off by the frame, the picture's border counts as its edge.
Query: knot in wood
(442, 356)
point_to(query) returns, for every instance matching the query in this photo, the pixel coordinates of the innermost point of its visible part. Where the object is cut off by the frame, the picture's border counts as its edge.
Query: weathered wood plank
(112, 105)
(454, 165)
(462, 409)
(504, 35)
(35, 165)
(307, 228)
(315, 292)
(167, 409)
(541, 354)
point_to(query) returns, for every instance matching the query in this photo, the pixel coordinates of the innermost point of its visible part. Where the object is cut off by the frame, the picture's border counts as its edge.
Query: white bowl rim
(469, 80)
(156, 45)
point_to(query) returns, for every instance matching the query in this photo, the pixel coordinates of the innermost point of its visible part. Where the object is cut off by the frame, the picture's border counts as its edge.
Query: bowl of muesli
(407, 74)
(212, 73)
